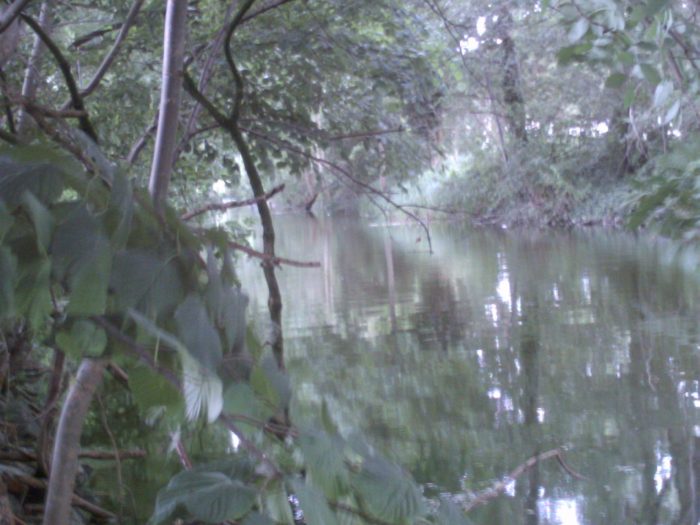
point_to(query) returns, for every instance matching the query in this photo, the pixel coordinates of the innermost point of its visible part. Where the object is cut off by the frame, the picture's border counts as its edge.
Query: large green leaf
(240, 399)
(277, 505)
(74, 241)
(196, 331)
(387, 492)
(313, 505)
(271, 384)
(33, 294)
(450, 514)
(650, 73)
(211, 497)
(578, 30)
(143, 279)
(42, 219)
(23, 170)
(88, 294)
(615, 80)
(325, 462)
(84, 339)
(255, 518)
(151, 389)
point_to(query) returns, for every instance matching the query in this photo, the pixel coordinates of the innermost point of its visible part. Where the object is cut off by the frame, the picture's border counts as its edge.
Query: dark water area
(502, 345)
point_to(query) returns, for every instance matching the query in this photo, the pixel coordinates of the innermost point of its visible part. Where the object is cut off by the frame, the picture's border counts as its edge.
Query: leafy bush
(95, 271)
(668, 192)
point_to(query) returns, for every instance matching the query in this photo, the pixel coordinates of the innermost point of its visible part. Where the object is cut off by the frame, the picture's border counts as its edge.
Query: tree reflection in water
(463, 364)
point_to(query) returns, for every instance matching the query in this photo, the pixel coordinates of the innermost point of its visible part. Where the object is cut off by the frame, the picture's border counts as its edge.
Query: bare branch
(238, 98)
(232, 204)
(366, 134)
(11, 12)
(80, 41)
(273, 260)
(141, 142)
(204, 77)
(64, 66)
(264, 9)
(109, 58)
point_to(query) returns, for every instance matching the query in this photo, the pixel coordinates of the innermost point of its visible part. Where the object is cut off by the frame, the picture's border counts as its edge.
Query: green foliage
(83, 339)
(211, 496)
(94, 272)
(388, 493)
(668, 195)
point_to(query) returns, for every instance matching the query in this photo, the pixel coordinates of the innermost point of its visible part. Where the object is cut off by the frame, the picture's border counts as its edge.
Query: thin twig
(64, 66)
(82, 40)
(232, 204)
(117, 458)
(274, 260)
(366, 134)
(109, 58)
(138, 146)
(264, 9)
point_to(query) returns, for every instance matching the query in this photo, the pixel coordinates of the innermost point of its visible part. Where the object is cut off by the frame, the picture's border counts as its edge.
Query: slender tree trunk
(173, 56)
(64, 464)
(31, 75)
(513, 98)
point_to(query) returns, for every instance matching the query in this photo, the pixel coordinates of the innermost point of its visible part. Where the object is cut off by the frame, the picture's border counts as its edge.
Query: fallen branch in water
(232, 204)
(274, 260)
(499, 487)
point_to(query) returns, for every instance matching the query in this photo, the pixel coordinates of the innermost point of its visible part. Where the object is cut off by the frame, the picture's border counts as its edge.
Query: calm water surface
(463, 364)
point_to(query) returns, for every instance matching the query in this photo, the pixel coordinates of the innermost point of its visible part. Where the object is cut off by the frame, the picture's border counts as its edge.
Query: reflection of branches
(499, 487)
(286, 146)
(223, 206)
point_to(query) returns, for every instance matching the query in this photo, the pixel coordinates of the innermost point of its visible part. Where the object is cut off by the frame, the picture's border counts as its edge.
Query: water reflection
(463, 364)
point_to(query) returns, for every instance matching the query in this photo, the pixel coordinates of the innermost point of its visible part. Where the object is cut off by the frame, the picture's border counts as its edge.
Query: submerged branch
(499, 487)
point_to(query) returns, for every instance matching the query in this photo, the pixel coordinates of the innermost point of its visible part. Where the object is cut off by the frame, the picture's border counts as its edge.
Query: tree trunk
(31, 75)
(511, 83)
(173, 55)
(64, 465)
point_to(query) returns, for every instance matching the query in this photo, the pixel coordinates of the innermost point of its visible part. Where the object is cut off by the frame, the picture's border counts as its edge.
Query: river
(501, 345)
